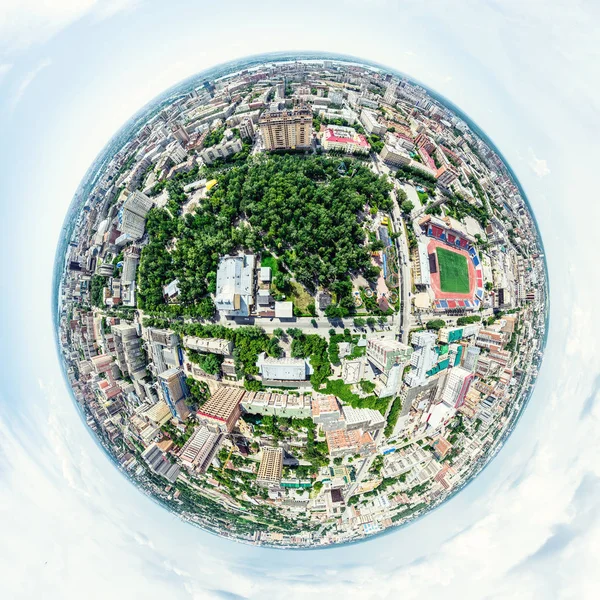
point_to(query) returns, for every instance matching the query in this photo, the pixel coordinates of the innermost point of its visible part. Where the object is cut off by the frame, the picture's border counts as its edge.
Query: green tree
(407, 206)
(436, 324)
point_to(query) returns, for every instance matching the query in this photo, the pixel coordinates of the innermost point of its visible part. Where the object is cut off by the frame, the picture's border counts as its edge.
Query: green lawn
(270, 261)
(454, 271)
(423, 197)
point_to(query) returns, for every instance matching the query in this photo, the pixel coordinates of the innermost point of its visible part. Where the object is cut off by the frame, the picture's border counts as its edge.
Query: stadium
(450, 266)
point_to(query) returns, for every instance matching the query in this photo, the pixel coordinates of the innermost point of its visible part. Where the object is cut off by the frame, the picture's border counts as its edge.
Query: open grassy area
(300, 297)
(423, 197)
(454, 271)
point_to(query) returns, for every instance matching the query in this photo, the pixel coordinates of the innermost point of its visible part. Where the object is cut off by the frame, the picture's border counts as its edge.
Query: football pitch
(454, 271)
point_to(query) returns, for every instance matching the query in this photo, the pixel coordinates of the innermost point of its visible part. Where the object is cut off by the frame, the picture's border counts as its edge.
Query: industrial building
(235, 285)
(292, 371)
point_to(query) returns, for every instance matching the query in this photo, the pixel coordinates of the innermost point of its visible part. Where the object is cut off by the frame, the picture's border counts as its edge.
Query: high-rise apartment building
(223, 408)
(174, 389)
(128, 346)
(423, 358)
(390, 93)
(133, 216)
(457, 385)
(286, 129)
(246, 128)
(271, 466)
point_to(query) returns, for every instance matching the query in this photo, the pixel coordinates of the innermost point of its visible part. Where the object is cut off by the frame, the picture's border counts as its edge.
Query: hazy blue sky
(72, 72)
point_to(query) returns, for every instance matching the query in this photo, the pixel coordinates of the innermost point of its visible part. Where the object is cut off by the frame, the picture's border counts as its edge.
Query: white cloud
(538, 165)
(27, 80)
(27, 22)
(4, 69)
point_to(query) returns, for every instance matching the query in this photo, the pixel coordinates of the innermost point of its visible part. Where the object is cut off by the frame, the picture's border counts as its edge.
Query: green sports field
(454, 271)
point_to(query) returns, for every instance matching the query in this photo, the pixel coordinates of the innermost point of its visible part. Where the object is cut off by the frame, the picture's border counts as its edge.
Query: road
(322, 325)
(404, 268)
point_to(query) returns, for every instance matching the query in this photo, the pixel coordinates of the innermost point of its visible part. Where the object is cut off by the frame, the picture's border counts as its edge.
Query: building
(175, 390)
(367, 419)
(354, 441)
(265, 275)
(271, 467)
(389, 383)
(326, 413)
(331, 114)
(235, 285)
(158, 414)
(284, 310)
(128, 347)
(385, 353)
(282, 370)
(336, 96)
(158, 463)
(457, 385)
(132, 221)
(344, 139)
(446, 175)
(198, 452)
(395, 156)
(390, 93)
(423, 358)
(246, 128)
(441, 446)
(487, 338)
(176, 151)
(163, 349)
(421, 271)
(286, 129)
(179, 133)
(371, 124)
(223, 409)
(171, 290)
(402, 461)
(447, 335)
(471, 357)
(209, 345)
(276, 404)
(228, 146)
(131, 259)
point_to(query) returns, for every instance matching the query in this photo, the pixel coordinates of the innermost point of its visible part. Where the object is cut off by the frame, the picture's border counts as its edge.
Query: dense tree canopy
(299, 208)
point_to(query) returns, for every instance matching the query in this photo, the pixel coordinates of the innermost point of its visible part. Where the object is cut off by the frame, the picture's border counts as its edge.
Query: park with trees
(304, 210)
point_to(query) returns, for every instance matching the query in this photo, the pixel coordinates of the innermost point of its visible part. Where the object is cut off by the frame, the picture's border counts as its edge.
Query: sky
(72, 72)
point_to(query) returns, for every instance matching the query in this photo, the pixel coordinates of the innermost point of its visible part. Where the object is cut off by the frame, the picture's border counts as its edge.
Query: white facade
(227, 147)
(235, 285)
